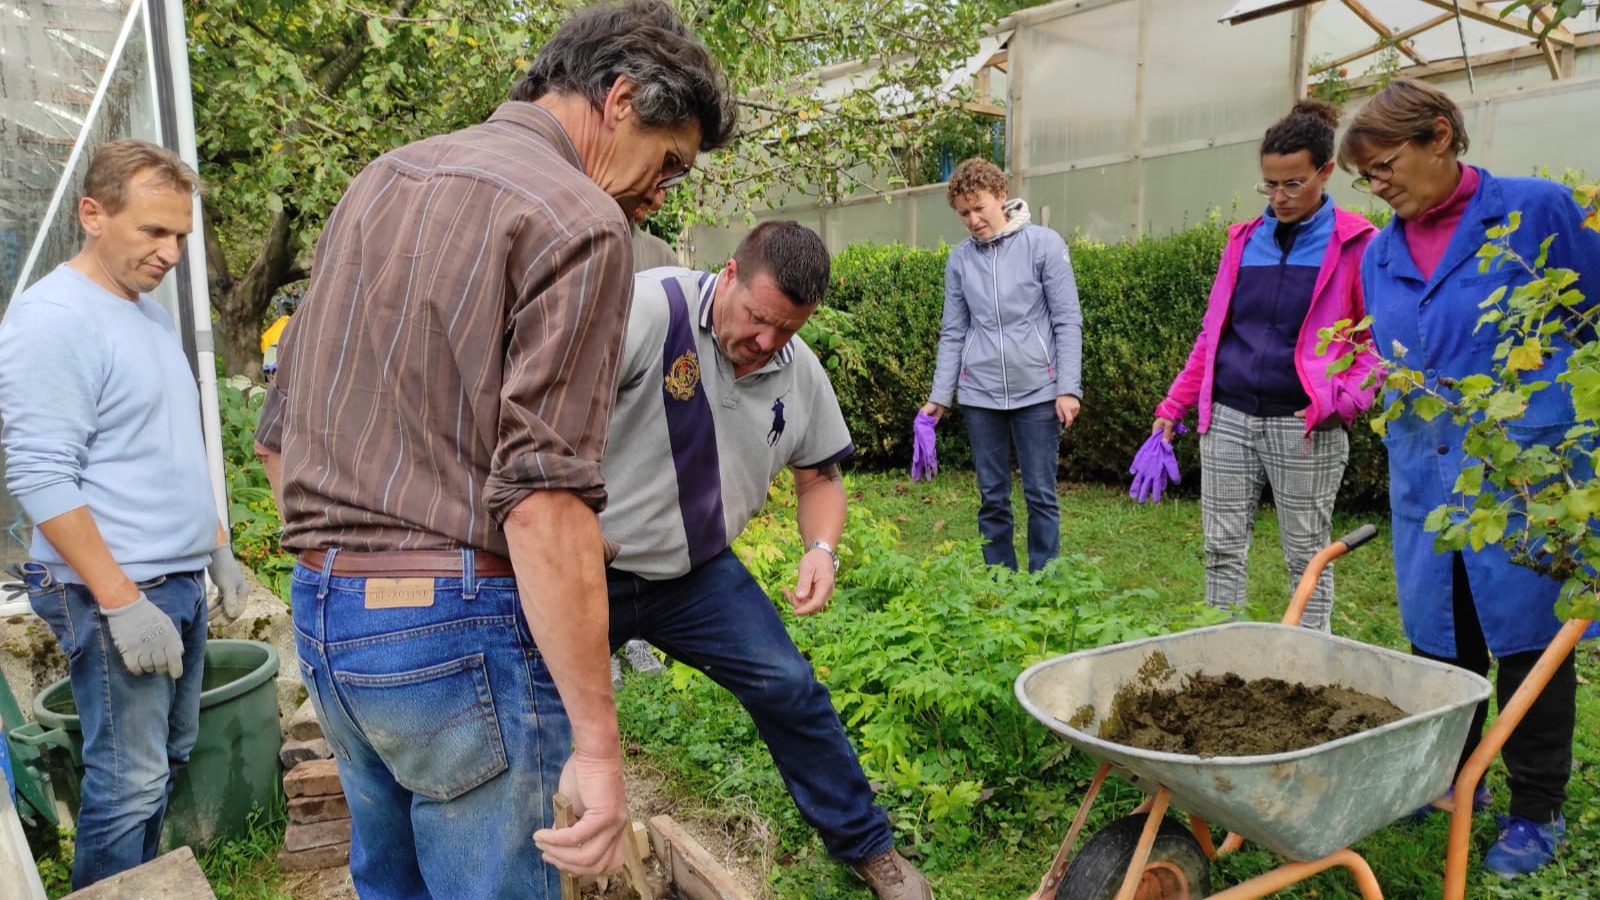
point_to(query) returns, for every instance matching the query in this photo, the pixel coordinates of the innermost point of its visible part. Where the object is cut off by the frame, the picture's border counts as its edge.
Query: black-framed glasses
(675, 167)
(1291, 189)
(1380, 171)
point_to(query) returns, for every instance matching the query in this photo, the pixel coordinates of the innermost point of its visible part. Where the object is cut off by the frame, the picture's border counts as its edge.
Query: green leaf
(1427, 407)
(1470, 482)
(1505, 405)
(378, 33)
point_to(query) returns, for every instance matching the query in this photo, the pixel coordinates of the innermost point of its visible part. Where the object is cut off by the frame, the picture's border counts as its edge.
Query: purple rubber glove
(923, 462)
(1154, 467)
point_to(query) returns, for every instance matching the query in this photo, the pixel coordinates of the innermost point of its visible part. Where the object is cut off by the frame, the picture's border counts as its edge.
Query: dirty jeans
(719, 620)
(137, 729)
(447, 729)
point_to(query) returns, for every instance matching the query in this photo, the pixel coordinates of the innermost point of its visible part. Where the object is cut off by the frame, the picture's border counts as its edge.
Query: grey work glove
(231, 588)
(146, 638)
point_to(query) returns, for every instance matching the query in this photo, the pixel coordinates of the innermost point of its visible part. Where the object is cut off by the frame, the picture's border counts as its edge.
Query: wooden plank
(1384, 31)
(564, 819)
(1411, 32)
(640, 835)
(1477, 12)
(695, 873)
(633, 866)
(1299, 41)
(175, 876)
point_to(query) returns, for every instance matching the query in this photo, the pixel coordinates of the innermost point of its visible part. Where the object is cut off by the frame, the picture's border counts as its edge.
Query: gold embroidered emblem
(683, 377)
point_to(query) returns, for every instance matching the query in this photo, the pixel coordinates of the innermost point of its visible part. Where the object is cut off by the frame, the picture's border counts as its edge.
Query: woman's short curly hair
(976, 176)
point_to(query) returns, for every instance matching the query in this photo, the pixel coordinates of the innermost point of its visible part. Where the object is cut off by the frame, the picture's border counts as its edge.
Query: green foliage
(241, 868)
(961, 134)
(1556, 11)
(920, 654)
(1332, 83)
(891, 298)
(294, 97)
(1142, 306)
(251, 510)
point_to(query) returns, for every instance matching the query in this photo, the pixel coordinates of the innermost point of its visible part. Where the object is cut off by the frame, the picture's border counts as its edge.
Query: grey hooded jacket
(1012, 334)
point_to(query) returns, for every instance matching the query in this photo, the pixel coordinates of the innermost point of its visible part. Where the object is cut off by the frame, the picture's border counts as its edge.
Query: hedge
(1142, 305)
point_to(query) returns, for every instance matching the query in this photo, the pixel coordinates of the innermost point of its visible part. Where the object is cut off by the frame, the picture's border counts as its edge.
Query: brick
(293, 753)
(317, 778)
(308, 810)
(321, 834)
(303, 725)
(330, 856)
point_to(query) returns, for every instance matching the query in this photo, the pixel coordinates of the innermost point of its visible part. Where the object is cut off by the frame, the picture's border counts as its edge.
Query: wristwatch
(827, 548)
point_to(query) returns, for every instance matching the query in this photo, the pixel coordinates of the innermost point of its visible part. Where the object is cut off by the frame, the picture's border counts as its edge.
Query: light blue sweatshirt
(99, 408)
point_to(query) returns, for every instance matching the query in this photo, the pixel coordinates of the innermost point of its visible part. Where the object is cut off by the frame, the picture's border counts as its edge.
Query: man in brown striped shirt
(434, 435)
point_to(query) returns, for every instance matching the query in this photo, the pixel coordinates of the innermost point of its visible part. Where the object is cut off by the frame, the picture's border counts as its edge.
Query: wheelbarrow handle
(1308, 579)
(1358, 537)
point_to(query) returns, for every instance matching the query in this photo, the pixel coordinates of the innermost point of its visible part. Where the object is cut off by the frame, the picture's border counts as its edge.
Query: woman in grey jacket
(1012, 344)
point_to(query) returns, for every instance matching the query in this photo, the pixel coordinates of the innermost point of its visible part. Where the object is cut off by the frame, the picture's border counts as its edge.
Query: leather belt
(408, 563)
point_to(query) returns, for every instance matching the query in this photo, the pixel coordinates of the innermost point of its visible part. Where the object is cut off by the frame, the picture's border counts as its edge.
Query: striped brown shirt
(459, 344)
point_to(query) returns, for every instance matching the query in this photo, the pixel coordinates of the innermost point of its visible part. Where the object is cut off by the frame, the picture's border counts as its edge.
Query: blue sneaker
(1524, 846)
(1447, 802)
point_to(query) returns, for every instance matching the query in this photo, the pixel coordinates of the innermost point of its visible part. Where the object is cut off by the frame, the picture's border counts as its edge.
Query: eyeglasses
(1290, 189)
(1381, 171)
(674, 169)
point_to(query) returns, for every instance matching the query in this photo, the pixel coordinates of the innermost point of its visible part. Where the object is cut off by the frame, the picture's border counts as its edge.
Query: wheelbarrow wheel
(1177, 868)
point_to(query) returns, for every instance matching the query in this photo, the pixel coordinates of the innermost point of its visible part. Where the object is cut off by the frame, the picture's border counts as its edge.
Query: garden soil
(1225, 715)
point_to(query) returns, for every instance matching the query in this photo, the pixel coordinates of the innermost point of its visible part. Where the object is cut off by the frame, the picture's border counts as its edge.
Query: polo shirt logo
(777, 422)
(683, 376)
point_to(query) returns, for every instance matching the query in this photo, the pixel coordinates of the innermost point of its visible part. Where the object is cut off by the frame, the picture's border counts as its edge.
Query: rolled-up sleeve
(563, 351)
(269, 427)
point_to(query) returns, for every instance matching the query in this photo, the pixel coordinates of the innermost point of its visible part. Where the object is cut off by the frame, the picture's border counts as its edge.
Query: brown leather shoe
(891, 877)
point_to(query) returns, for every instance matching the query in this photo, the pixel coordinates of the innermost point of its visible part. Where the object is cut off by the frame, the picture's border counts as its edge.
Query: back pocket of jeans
(435, 728)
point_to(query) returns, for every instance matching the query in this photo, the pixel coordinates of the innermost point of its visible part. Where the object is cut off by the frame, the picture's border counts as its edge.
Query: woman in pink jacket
(1270, 411)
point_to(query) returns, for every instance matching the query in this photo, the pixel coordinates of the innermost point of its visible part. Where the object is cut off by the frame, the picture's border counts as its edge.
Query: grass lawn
(1159, 548)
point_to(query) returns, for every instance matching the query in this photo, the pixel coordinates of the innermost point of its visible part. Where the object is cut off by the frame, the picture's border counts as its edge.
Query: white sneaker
(616, 674)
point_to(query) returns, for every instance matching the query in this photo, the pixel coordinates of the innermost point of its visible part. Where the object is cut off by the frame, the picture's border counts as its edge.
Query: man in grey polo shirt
(711, 374)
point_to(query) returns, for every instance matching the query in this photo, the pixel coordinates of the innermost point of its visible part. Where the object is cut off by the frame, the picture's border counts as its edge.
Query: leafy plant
(251, 510)
(294, 97)
(920, 653)
(1332, 83)
(1530, 490)
(1544, 15)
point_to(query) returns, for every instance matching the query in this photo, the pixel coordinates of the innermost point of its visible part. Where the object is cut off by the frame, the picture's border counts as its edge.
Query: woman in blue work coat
(1423, 289)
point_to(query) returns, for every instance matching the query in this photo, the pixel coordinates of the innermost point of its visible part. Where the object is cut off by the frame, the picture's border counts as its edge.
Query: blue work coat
(1435, 319)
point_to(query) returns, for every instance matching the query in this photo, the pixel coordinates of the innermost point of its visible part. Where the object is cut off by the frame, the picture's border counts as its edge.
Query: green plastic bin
(234, 766)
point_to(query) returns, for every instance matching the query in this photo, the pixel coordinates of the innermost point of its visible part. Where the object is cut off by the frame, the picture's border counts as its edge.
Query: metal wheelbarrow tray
(1303, 804)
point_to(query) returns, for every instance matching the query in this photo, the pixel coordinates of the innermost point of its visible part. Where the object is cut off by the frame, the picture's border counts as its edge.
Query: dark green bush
(1142, 305)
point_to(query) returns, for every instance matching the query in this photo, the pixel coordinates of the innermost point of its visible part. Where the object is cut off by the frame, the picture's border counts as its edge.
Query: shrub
(920, 655)
(252, 514)
(1142, 305)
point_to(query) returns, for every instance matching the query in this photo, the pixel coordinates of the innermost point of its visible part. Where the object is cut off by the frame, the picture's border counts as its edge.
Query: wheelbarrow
(1308, 805)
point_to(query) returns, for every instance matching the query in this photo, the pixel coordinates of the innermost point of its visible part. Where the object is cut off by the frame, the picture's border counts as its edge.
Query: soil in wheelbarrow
(1225, 715)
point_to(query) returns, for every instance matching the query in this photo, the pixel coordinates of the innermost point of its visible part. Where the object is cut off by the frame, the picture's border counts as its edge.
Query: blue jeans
(448, 731)
(1034, 433)
(719, 620)
(137, 729)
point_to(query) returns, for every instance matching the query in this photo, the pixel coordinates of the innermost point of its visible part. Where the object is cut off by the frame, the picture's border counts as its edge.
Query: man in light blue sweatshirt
(101, 426)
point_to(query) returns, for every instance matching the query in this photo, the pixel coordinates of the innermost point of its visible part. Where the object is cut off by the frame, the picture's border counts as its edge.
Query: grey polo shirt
(692, 451)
